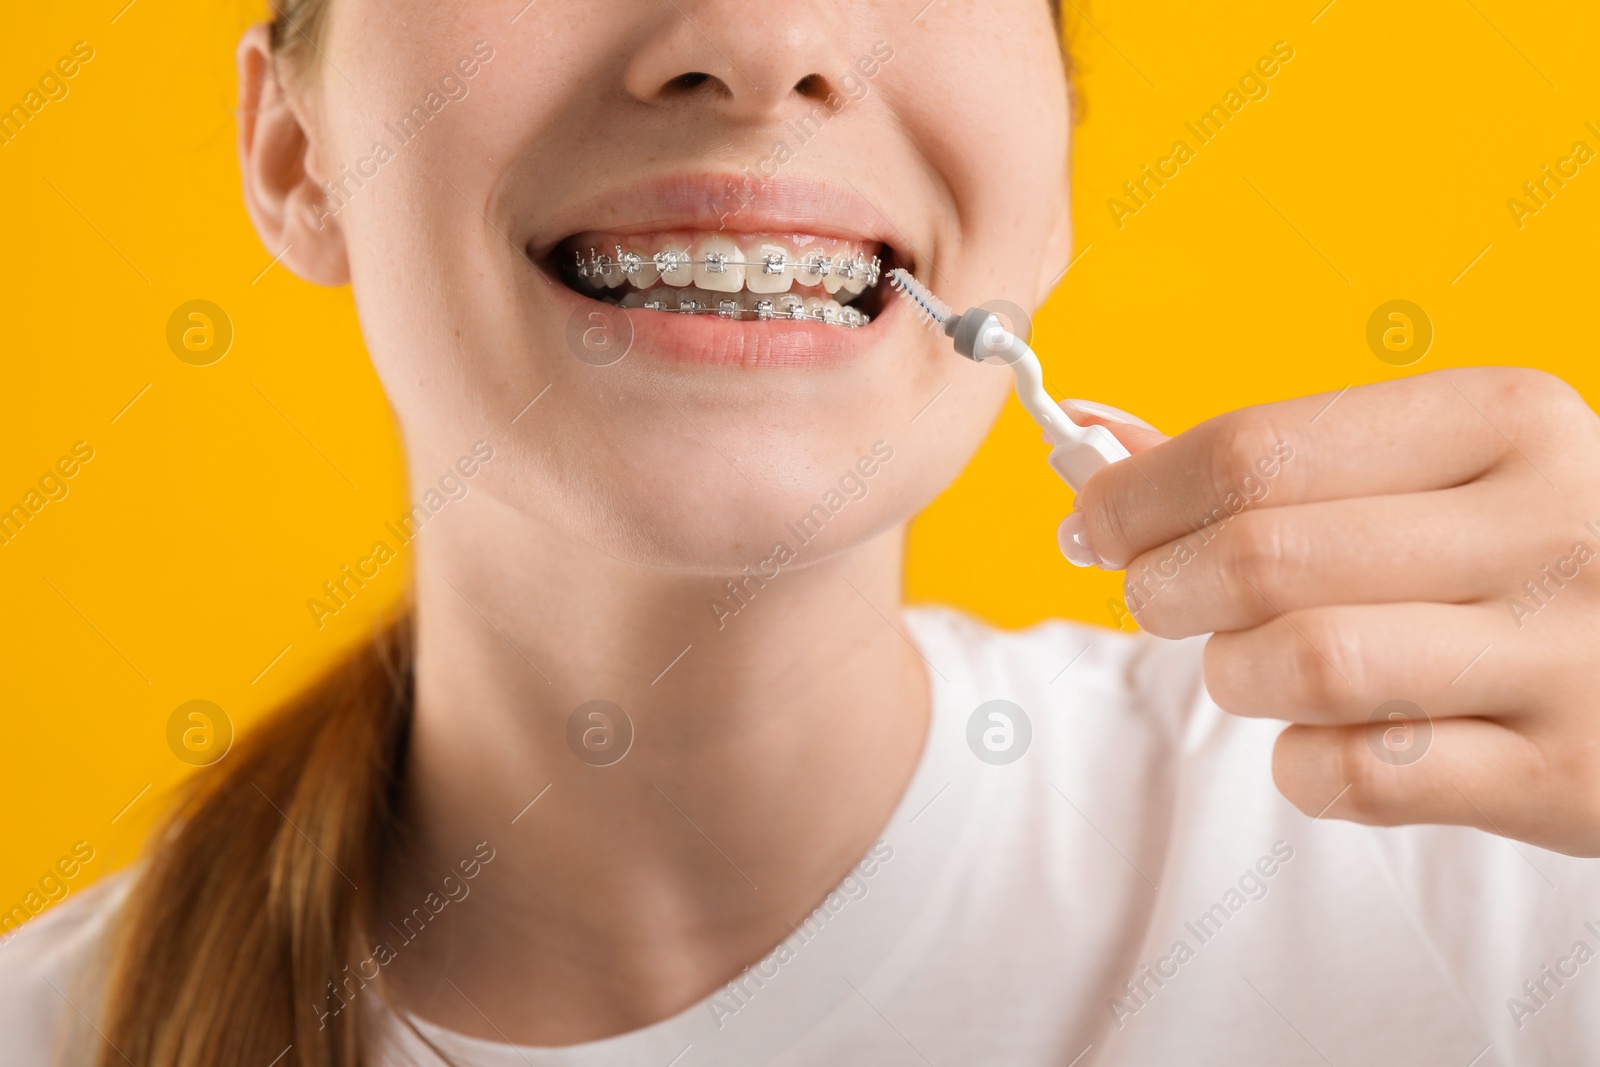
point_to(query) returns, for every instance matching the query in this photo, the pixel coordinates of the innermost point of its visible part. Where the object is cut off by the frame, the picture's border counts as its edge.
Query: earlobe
(285, 201)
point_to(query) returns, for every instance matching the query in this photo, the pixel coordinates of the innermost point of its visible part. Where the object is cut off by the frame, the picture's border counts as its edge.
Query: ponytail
(233, 939)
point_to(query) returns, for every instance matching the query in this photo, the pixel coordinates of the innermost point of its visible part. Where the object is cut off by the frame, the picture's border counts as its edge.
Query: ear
(287, 205)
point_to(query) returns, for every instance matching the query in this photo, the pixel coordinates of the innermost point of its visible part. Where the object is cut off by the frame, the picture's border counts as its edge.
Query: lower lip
(712, 341)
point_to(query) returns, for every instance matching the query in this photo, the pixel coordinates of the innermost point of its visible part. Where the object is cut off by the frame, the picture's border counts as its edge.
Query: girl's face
(475, 150)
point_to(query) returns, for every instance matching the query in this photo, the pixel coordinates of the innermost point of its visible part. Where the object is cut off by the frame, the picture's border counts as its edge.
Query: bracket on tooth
(764, 309)
(716, 263)
(669, 261)
(817, 265)
(774, 263)
(599, 265)
(630, 262)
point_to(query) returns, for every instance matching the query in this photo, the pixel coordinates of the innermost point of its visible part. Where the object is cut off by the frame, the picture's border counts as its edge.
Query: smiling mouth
(767, 277)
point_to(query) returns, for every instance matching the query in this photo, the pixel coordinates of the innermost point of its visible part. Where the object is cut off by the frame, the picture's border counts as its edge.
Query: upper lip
(725, 202)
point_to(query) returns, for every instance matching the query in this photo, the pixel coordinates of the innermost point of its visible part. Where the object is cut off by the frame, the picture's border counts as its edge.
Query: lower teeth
(748, 307)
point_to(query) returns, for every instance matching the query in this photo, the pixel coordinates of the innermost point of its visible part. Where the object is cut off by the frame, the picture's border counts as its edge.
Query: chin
(670, 502)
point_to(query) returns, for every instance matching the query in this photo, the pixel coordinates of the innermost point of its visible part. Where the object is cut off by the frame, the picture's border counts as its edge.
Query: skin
(1357, 580)
(580, 565)
(582, 561)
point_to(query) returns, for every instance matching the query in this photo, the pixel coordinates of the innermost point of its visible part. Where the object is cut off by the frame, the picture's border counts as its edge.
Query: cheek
(1001, 145)
(452, 315)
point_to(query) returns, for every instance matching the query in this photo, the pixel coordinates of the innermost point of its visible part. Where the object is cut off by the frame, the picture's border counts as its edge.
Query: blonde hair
(297, 30)
(257, 896)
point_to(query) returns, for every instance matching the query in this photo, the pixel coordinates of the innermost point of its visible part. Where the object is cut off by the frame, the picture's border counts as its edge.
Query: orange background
(1378, 167)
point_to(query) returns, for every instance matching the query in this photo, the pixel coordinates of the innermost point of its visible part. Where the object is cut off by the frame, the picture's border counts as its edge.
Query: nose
(749, 62)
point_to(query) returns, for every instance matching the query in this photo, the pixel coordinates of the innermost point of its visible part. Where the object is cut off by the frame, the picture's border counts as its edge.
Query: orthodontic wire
(816, 264)
(850, 318)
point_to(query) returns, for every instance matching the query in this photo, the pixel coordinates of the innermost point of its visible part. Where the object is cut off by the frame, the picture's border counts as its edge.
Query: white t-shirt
(1130, 890)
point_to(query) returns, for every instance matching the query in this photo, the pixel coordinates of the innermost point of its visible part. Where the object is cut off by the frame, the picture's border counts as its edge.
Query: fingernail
(1073, 537)
(1107, 412)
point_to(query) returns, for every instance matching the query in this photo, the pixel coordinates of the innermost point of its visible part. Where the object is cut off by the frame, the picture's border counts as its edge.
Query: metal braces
(766, 310)
(815, 264)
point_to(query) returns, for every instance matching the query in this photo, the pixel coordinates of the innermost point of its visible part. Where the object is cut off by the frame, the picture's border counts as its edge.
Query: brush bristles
(933, 311)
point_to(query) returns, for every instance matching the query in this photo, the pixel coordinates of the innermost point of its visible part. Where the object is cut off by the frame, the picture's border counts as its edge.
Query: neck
(768, 749)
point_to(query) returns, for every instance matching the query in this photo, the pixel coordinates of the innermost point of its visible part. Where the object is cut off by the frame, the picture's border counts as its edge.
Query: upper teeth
(720, 265)
(749, 277)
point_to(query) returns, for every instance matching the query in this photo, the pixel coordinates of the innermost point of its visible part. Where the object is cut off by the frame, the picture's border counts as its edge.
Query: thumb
(1132, 433)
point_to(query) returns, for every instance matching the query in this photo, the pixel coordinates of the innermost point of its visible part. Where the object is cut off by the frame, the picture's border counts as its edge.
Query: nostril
(812, 86)
(692, 80)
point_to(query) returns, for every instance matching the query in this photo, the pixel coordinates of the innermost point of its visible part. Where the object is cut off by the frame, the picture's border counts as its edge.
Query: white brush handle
(1080, 451)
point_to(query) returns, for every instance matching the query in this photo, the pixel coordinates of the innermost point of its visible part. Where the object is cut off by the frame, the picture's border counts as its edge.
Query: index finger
(1404, 436)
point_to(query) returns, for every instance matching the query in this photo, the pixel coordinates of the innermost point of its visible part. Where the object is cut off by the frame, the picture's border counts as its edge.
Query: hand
(1433, 541)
